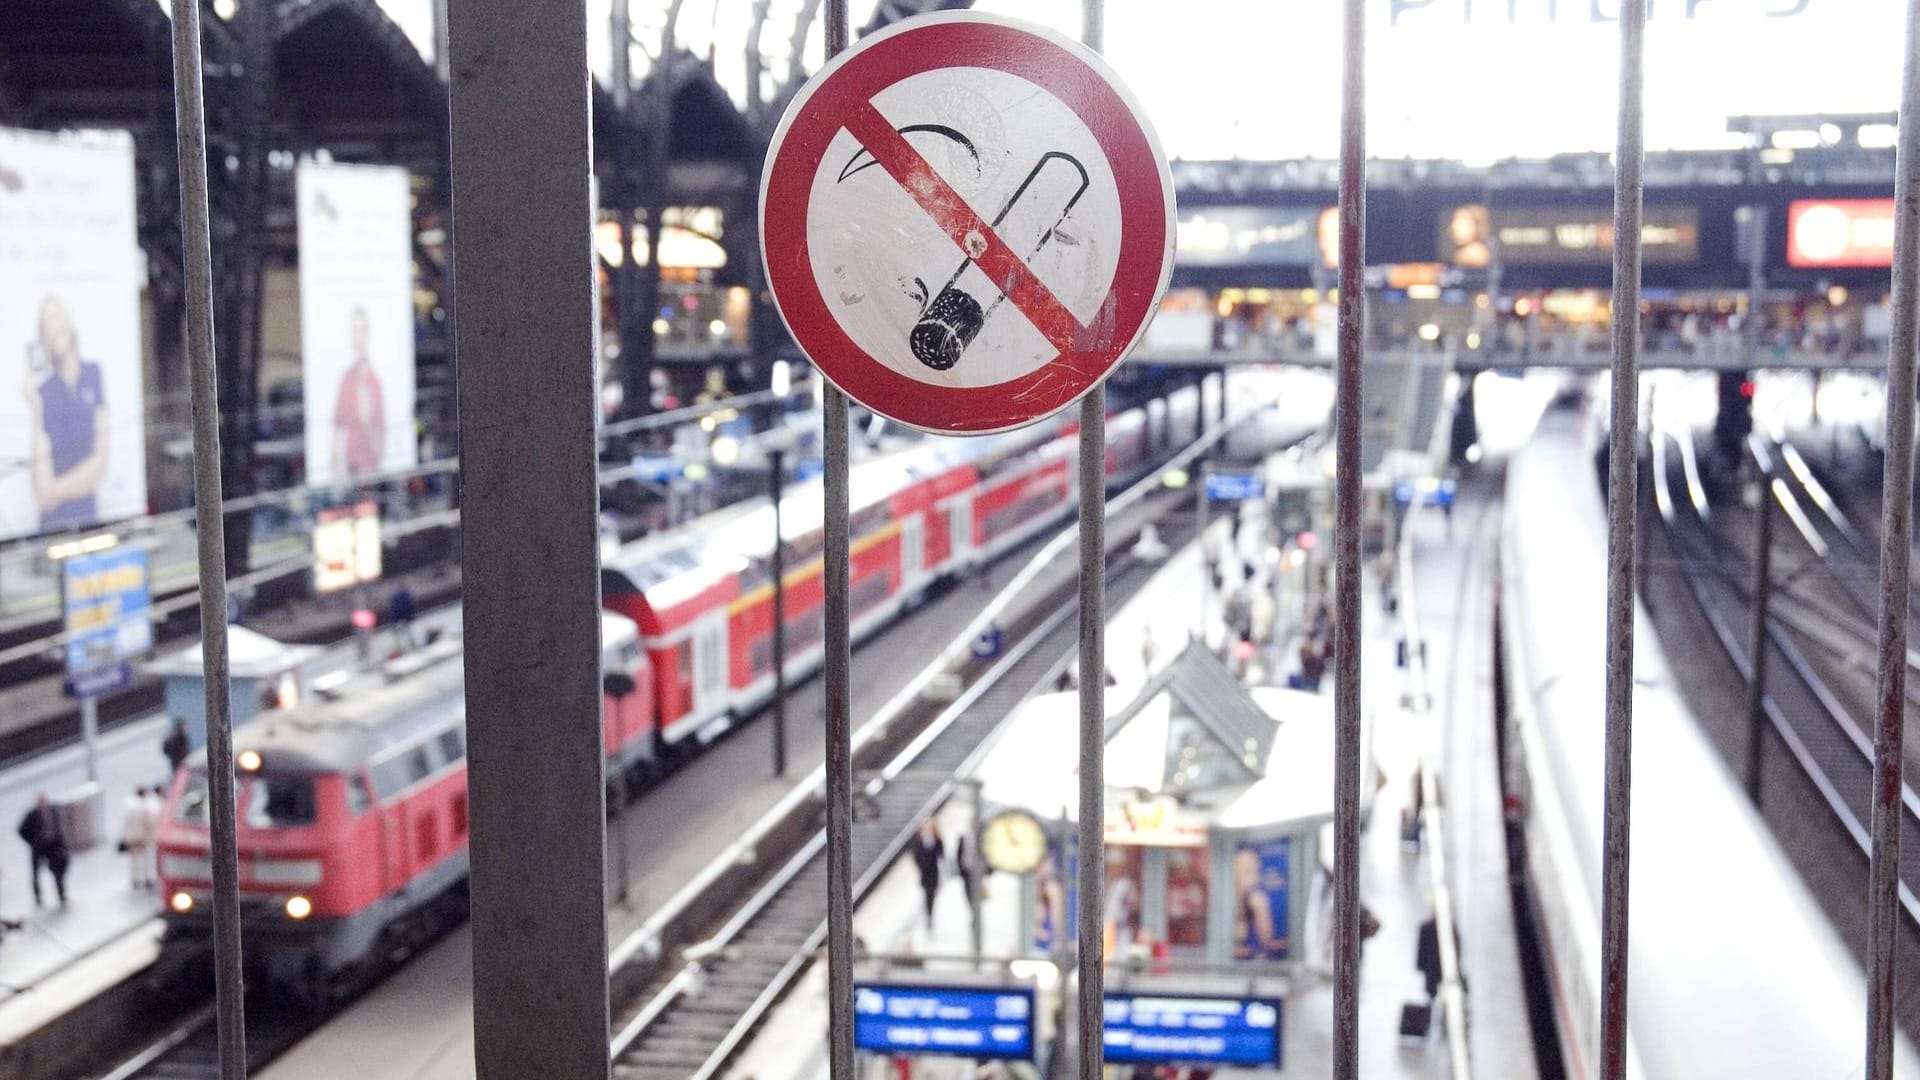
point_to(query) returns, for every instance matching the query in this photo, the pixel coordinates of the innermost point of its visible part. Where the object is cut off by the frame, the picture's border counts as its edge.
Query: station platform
(108, 930)
(1453, 561)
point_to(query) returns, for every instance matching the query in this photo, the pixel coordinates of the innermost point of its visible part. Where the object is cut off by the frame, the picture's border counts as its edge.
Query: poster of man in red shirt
(357, 321)
(359, 412)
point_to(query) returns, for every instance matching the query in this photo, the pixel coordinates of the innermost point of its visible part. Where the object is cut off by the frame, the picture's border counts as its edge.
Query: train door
(913, 549)
(960, 532)
(710, 696)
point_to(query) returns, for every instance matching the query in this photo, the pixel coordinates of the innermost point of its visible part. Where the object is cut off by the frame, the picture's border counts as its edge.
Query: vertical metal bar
(1622, 514)
(1199, 482)
(839, 765)
(776, 460)
(1093, 687)
(522, 153)
(190, 123)
(1757, 630)
(1896, 529)
(1346, 536)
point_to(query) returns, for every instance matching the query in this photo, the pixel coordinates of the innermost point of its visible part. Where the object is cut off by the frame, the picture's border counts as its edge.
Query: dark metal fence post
(1757, 630)
(776, 462)
(524, 319)
(1896, 529)
(1622, 513)
(839, 764)
(1093, 686)
(1346, 638)
(190, 122)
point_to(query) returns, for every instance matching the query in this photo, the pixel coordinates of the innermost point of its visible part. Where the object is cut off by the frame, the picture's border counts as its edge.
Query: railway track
(692, 1020)
(185, 1050)
(1801, 708)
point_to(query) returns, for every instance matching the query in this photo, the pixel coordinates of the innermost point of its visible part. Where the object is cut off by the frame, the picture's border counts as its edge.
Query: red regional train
(353, 806)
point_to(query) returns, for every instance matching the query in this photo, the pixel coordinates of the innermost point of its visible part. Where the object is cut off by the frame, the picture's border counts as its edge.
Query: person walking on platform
(175, 747)
(927, 853)
(966, 865)
(46, 840)
(402, 613)
(138, 827)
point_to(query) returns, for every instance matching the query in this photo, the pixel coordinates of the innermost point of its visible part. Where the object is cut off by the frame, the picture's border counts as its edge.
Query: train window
(192, 807)
(390, 777)
(453, 745)
(460, 815)
(419, 765)
(359, 798)
(280, 802)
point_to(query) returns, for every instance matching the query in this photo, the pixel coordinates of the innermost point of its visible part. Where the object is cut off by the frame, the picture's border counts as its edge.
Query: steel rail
(646, 940)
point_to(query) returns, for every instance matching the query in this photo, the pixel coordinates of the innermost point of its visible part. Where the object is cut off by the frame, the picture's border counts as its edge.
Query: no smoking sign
(967, 222)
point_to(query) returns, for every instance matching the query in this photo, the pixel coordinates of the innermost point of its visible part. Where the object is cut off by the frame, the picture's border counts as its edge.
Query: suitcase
(1415, 1020)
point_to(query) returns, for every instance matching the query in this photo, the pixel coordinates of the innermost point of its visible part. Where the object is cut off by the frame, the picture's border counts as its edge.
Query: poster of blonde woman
(356, 320)
(72, 407)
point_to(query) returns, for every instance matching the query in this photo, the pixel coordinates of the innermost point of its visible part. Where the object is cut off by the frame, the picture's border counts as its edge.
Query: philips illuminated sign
(1840, 233)
(1525, 236)
(1178, 1029)
(948, 1021)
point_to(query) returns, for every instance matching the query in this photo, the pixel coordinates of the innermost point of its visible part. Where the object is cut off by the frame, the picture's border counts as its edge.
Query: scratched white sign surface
(903, 288)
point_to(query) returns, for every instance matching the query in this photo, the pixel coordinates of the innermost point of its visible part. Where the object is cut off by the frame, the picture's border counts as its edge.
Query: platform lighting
(1795, 140)
(298, 907)
(782, 378)
(1429, 331)
(1473, 339)
(1831, 134)
(181, 902)
(83, 546)
(1877, 136)
(708, 423)
(1175, 478)
(662, 326)
(725, 451)
(1837, 295)
(718, 327)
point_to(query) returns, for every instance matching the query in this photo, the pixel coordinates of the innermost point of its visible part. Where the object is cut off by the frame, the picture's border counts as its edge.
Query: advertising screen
(1840, 233)
(356, 320)
(346, 547)
(106, 602)
(1178, 1029)
(953, 1021)
(1533, 236)
(73, 448)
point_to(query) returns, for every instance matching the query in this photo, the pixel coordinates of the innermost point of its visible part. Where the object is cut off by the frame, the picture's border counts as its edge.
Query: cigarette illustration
(951, 318)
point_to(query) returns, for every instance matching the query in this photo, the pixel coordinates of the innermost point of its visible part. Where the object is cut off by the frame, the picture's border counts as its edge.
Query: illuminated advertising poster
(1534, 236)
(1260, 877)
(1840, 233)
(106, 601)
(73, 448)
(346, 547)
(356, 320)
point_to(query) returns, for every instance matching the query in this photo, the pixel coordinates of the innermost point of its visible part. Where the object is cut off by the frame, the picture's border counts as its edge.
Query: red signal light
(1746, 389)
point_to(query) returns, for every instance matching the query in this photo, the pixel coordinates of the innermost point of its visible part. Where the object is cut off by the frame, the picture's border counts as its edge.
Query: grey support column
(524, 340)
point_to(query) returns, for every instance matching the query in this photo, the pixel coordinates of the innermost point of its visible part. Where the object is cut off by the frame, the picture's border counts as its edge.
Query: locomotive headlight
(299, 907)
(181, 902)
(249, 761)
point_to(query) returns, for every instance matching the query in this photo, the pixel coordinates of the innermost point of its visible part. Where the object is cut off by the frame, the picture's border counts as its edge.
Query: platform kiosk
(261, 667)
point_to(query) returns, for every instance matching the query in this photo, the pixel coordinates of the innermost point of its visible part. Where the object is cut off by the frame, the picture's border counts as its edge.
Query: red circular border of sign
(812, 123)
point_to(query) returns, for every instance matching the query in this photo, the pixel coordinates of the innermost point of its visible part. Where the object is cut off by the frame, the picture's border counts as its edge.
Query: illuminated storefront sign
(1543, 236)
(1247, 236)
(1840, 233)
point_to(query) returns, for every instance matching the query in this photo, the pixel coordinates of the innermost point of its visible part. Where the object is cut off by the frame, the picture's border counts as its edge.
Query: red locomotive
(353, 807)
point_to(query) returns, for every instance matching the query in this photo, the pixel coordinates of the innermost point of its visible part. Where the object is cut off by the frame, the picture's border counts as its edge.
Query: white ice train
(1734, 970)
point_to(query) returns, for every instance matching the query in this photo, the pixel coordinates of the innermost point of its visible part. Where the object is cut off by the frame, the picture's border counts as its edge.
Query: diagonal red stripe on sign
(1008, 272)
